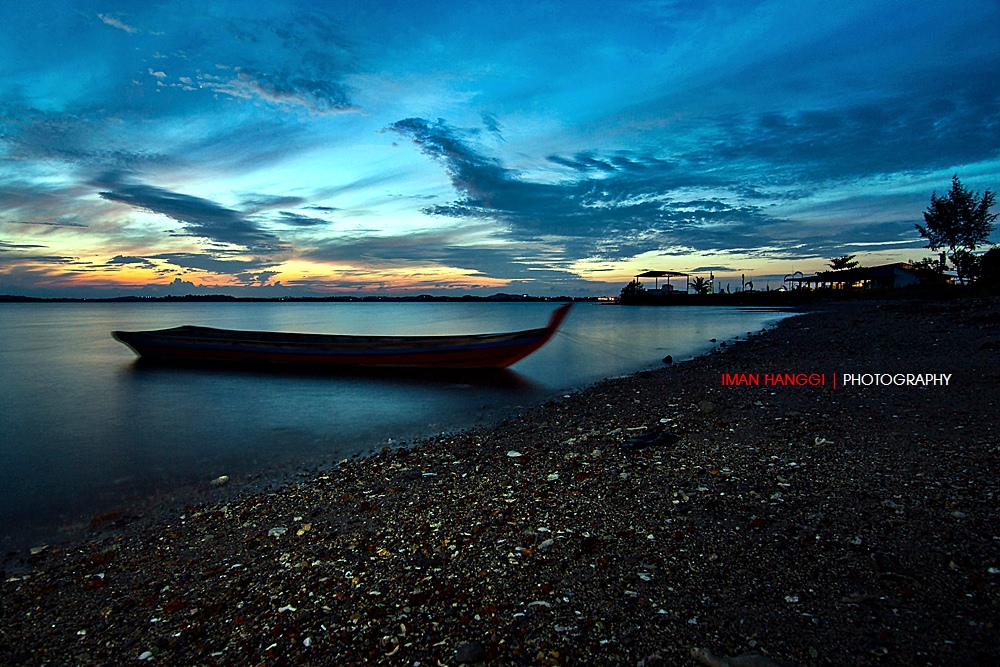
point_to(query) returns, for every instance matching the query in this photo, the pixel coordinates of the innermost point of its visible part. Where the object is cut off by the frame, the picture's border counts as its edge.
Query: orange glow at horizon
(315, 277)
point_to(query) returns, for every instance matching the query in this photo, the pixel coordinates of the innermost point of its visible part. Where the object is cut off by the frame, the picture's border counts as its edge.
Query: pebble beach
(776, 523)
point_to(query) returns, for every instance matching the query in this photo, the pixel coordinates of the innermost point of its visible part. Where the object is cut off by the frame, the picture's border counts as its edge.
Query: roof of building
(662, 274)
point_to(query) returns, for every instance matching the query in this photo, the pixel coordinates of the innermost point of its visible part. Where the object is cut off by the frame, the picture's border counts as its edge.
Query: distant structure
(667, 287)
(885, 276)
(696, 288)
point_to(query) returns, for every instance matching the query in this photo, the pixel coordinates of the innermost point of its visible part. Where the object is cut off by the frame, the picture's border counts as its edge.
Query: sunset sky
(297, 148)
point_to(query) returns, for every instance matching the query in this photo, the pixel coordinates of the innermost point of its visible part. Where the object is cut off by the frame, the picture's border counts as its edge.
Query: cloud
(7, 247)
(256, 277)
(116, 23)
(24, 260)
(384, 177)
(45, 203)
(615, 206)
(477, 176)
(82, 137)
(36, 280)
(584, 163)
(201, 217)
(892, 136)
(299, 220)
(177, 287)
(50, 223)
(210, 262)
(469, 248)
(294, 64)
(258, 203)
(722, 195)
(493, 125)
(318, 96)
(413, 247)
(365, 280)
(15, 254)
(121, 260)
(705, 269)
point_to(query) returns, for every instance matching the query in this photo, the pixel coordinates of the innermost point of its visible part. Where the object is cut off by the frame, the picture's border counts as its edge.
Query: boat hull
(190, 344)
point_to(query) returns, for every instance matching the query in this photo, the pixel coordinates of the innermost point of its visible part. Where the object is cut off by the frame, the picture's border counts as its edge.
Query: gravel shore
(816, 525)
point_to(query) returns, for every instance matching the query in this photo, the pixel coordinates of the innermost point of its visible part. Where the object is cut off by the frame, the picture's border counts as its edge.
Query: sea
(86, 431)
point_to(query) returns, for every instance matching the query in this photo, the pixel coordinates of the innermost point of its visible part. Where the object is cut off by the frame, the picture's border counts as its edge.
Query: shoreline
(167, 477)
(826, 527)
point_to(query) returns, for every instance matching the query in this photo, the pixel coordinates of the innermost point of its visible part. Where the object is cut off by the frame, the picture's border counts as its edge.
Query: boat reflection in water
(504, 379)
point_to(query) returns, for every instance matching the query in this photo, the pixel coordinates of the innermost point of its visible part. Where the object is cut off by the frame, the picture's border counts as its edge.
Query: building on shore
(884, 276)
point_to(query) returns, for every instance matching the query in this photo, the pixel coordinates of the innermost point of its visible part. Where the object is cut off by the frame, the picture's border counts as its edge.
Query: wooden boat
(192, 344)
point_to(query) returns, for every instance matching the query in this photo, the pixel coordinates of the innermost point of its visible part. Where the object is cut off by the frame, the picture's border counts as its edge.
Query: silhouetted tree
(844, 262)
(929, 270)
(700, 285)
(960, 221)
(632, 290)
(928, 264)
(966, 265)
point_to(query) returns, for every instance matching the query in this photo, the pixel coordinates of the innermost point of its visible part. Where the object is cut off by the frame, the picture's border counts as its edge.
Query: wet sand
(817, 525)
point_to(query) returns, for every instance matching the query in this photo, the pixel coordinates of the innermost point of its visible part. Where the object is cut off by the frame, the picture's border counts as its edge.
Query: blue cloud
(628, 201)
(299, 220)
(257, 203)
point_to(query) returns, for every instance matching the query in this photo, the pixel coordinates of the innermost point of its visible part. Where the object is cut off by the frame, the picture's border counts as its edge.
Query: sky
(549, 148)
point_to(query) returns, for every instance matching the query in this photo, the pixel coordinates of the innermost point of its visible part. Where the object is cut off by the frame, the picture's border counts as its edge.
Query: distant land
(9, 298)
(748, 298)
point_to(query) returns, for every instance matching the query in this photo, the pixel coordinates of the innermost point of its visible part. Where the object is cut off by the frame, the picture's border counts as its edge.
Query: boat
(195, 344)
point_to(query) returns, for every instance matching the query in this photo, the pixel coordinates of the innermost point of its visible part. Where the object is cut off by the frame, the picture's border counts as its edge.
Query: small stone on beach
(469, 652)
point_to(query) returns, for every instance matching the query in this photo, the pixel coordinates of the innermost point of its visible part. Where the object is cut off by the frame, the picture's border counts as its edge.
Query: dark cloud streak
(299, 220)
(210, 263)
(51, 224)
(4, 246)
(201, 217)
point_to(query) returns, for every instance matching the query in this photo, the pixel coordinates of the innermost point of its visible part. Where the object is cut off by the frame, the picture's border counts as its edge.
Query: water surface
(85, 430)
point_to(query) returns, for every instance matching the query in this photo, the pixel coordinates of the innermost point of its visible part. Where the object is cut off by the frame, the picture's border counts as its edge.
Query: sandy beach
(800, 519)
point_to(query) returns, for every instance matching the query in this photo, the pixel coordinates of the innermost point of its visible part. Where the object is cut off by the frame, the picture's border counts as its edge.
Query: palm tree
(700, 285)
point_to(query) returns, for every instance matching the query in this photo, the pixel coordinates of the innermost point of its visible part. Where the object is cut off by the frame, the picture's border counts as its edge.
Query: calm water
(85, 430)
